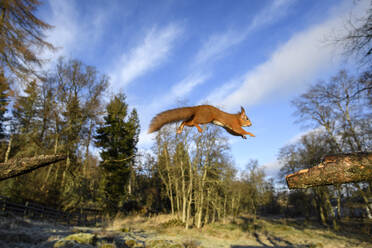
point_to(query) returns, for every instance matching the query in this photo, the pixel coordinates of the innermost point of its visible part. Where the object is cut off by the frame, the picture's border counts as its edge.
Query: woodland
(64, 109)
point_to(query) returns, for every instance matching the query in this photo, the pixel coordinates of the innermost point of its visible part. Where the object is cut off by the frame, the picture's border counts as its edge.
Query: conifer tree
(117, 138)
(21, 38)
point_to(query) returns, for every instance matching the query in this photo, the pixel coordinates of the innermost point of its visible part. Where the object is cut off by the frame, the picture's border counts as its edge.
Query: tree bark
(22, 166)
(335, 169)
(189, 195)
(8, 149)
(201, 198)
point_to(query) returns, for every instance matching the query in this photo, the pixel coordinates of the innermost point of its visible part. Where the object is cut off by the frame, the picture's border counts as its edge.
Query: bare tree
(358, 38)
(341, 109)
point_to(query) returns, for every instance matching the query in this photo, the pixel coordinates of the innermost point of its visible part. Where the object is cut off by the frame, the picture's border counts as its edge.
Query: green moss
(83, 238)
(172, 223)
(65, 244)
(125, 229)
(133, 243)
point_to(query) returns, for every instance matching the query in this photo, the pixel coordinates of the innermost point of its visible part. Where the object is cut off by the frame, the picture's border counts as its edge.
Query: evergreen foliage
(21, 39)
(117, 138)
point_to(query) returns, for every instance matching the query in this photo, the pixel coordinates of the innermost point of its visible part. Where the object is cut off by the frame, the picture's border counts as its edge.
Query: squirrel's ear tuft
(242, 111)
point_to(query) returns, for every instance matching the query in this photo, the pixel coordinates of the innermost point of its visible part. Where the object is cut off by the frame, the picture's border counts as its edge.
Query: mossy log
(334, 169)
(22, 166)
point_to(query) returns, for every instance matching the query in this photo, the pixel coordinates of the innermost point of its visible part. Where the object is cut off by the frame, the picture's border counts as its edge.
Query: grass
(245, 231)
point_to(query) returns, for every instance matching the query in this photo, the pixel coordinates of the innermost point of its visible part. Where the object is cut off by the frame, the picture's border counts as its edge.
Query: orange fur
(203, 114)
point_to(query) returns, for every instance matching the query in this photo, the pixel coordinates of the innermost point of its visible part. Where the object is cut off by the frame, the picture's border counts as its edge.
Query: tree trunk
(130, 183)
(87, 148)
(8, 149)
(206, 216)
(189, 193)
(365, 199)
(322, 216)
(224, 208)
(201, 198)
(22, 166)
(170, 188)
(339, 196)
(335, 169)
(177, 197)
(184, 197)
(330, 210)
(319, 202)
(46, 178)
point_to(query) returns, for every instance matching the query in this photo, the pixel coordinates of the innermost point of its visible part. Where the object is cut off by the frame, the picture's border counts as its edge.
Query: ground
(164, 231)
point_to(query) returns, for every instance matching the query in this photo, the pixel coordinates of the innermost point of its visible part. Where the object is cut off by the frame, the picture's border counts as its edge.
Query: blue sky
(257, 54)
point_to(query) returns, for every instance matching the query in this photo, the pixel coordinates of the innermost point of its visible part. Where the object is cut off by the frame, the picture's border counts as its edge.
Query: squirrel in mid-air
(203, 114)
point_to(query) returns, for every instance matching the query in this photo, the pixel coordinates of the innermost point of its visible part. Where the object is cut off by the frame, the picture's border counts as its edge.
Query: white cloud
(219, 93)
(272, 169)
(218, 44)
(71, 33)
(63, 17)
(276, 10)
(292, 64)
(298, 136)
(185, 86)
(153, 50)
(213, 48)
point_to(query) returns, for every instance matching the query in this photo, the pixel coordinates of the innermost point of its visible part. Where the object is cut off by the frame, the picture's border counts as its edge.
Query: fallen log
(334, 169)
(22, 166)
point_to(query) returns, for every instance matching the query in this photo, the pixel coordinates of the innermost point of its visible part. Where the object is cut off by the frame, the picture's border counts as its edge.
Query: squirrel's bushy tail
(170, 116)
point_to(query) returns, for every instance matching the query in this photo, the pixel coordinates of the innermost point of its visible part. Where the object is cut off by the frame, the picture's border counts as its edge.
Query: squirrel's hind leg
(189, 124)
(180, 128)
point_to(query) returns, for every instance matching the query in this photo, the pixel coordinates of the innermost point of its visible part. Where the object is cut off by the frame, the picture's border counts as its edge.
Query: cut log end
(334, 169)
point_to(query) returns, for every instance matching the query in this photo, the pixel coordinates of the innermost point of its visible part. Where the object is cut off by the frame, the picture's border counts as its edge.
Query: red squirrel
(203, 114)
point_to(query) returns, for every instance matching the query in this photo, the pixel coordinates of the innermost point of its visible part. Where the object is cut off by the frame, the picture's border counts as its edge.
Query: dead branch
(334, 169)
(22, 166)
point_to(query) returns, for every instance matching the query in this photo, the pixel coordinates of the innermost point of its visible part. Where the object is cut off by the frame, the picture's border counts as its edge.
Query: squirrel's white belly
(218, 123)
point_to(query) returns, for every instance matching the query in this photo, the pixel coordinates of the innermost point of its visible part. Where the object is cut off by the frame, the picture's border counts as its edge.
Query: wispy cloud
(219, 93)
(218, 44)
(63, 16)
(272, 169)
(292, 64)
(152, 51)
(185, 86)
(215, 47)
(270, 14)
(72, 33)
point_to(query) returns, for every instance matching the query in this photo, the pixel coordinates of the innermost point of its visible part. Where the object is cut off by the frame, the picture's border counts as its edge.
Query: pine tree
(117, 138)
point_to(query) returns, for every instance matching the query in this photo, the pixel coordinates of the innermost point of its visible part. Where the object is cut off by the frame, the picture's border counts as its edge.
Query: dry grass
(138, 222)
(243, 231)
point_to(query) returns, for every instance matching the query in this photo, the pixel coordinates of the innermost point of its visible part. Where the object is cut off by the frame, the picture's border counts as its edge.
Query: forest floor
(162, 231)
